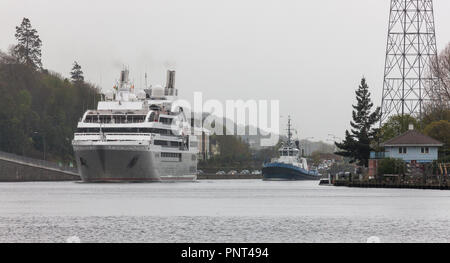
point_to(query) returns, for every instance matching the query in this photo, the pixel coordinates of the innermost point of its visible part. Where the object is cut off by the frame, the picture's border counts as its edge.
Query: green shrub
(391, 166)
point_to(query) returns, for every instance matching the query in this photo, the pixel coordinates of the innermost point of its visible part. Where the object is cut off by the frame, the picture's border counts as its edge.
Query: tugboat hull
(286, 172)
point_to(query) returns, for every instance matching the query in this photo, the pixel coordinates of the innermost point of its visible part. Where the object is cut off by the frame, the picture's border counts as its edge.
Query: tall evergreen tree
(357, 142)
(76, 74)
(28, 49)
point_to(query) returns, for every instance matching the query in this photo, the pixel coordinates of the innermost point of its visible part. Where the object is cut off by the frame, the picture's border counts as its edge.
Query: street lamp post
(334, 145)
(306, 145)
(335, 139)
(43, 139)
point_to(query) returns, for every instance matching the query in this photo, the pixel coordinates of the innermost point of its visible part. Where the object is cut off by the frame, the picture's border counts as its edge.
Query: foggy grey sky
(310, 55)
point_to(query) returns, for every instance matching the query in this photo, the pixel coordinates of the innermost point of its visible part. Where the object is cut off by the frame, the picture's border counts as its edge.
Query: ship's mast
(289, 131)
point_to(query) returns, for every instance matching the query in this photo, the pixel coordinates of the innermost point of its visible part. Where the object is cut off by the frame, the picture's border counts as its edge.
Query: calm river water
(220, 211)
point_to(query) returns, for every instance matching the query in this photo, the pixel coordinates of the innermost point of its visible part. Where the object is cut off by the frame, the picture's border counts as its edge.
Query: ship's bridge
(121, 105)
(115, 116)
(289, 151)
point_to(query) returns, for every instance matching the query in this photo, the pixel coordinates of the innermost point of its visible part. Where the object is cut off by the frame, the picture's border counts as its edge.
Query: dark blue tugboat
(290, 166)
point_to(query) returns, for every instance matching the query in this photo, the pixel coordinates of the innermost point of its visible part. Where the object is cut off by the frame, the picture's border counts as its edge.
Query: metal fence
(377, 155)
(37, 162)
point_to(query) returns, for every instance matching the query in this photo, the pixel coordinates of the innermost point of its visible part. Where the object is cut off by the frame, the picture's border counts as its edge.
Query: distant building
(412, 147)
(215, 150)
(203, 143)
(203, 135)
(254, 143)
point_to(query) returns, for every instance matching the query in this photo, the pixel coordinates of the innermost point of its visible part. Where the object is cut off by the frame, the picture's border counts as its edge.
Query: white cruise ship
(130, 137)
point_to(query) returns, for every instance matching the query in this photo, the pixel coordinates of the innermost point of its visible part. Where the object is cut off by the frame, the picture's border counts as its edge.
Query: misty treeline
(232, 150)
(365, 137)
(39, 109)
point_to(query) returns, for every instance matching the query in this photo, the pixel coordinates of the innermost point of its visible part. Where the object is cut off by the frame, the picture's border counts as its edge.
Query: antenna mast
(409, 81)
(146, 80)
(289, 131)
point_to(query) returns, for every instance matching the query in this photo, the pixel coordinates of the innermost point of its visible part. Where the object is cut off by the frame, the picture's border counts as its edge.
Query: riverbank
(443, 186)
(229, 176)
(14, 168)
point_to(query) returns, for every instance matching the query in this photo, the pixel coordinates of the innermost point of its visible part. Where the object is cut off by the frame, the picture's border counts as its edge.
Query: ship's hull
(106, 163)
(286, 172)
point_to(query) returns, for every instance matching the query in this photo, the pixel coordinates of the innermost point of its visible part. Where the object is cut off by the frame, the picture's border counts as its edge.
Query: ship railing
(86, 133)
(114, 134)
(168, 137)
(114, 122)
(163, 125)
(153, 135)
(377, 155)
(128, 134)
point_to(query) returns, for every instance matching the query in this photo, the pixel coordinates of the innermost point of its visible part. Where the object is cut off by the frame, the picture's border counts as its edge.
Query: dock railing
(36, 162)
(377, 155)
(421, 176)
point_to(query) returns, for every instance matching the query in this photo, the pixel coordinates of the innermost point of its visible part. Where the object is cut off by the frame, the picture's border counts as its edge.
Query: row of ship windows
(125, 119)
(175, 155)
(171, 155)
(114, 119)
(126, 130)
(285, 153)
(168, 143)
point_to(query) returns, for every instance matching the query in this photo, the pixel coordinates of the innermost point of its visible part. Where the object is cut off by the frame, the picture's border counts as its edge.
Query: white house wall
(413, 154)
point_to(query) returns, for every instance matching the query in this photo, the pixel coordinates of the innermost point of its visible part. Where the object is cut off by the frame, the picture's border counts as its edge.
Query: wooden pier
(395, 186)
(431, 177)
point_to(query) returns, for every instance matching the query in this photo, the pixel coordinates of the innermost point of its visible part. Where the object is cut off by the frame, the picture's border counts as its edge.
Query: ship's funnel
(170, 86)
(124, 76)
(124, 81)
